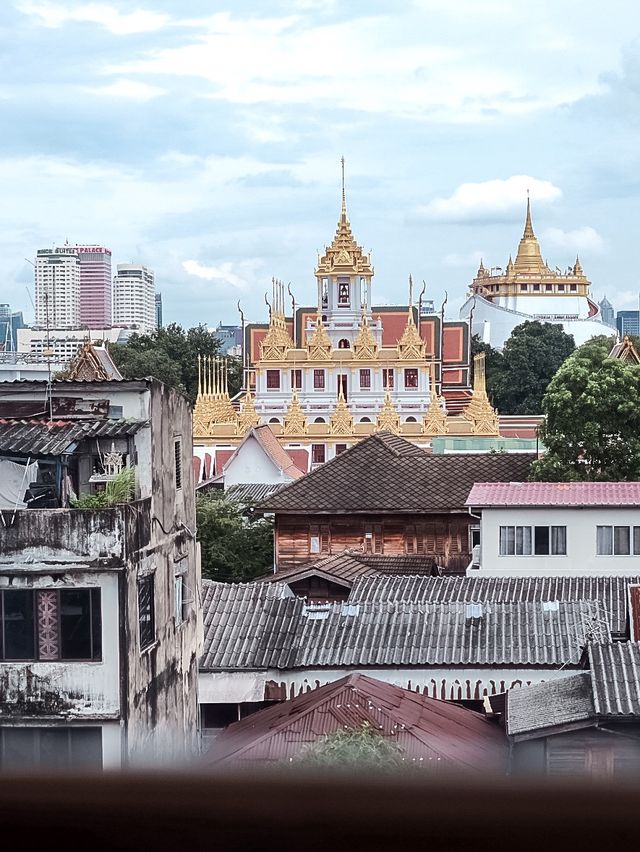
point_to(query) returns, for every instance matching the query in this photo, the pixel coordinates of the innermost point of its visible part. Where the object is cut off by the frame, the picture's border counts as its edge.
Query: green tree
(236, 545)
(530, 358)
(354, 749)
(592, 428)
(170, 354)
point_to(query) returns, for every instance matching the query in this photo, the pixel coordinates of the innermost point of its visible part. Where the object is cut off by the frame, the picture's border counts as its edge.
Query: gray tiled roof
(41, 438)
(533, 710)
(350, 565)
(386, 473)
(257, 626)
(615, 672)
(611, 592)
(252, 492)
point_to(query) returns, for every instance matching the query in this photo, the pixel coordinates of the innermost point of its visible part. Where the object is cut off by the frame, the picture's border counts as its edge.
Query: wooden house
(387, 496)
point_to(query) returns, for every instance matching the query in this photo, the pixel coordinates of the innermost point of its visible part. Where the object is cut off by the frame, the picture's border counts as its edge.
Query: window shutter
(410, 539)
(377, 538)
(325, 538)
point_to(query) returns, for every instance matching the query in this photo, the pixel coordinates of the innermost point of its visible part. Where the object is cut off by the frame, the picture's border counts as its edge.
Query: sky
(204, 140)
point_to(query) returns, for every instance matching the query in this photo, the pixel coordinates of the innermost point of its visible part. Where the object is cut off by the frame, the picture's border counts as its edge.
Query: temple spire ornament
(480, 413)
(365, 346)
(277, 340)
(529, 257)
(341, 419)
(248, 417)
(388, 418)
(295, 423)
(435, 420)
(411, 346)
(319, 344)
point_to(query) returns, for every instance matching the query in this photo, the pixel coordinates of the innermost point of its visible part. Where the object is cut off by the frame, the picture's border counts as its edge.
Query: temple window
(548, 287)
(274, 421)
(387, 378)
(411, 377)
(365, 420)
(325, 291)
(340, 448)
(560, 288)
(536, 288)
(317, 453)
(296, 379)
(411, 420)
(523, 288)
(344, 344)
(363, 292)
(573, 287)
(273, 379)
(342, 385)
(365, 379)
(343, 293)
(319, 420)
(318, 379)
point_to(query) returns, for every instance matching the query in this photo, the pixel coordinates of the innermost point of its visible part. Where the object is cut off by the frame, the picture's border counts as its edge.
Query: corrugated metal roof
(251, 493)
(436, 733)
(579, 494)
(533, 710)
(615, 673)
(256, 626)
(610, 592)
(41, 438)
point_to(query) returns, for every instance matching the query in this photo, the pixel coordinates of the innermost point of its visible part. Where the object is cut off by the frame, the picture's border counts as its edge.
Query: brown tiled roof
(610, 592)
(279, 456)
(350, 565)
(386, 473)
(257, 626)
(436, 734)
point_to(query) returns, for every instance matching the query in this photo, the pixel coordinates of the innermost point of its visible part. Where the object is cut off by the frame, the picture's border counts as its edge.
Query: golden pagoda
(435, 420)
(480, 413)
(411, 346)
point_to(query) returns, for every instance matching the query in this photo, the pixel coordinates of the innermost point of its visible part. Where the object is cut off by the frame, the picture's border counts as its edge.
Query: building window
(317, 453)
(344, 344)
(411, 377)
(146, 612)
(296, 379)
(411, 419)
(325, 293)
(318, 379)
(373, 538)
(548, 287)
(343, 293)
(560, 288)
(274, 421)
(387, 378)
(523, 288)
(51, 747)
(365, 379)
(177, 457)
(273, 379)
(340, 448)
(50, 624)
(180, 598)
(573, 287)
(319, 420)
(319, 538)
(537, 541)
(618, 541)
(365, 420)
(536, 288)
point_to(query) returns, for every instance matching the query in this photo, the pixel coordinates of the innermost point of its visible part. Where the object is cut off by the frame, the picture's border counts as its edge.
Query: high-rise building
(57, 286)
(158, 310)
(95, 285)
(134, 297)
(607, 313)
(628, 322)
(10, 322)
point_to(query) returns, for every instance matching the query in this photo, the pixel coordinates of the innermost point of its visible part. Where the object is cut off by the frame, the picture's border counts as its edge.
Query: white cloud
(585, 239)
(490, 200)
(127, 89)
(453, 259)
(54, 15)
(223, 274)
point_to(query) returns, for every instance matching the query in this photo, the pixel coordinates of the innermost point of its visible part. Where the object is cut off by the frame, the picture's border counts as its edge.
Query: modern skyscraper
(57, 286)
(628, 322)
(10, 322)
(95, 285)
(158, 310)
(134, 297)
(607, 313)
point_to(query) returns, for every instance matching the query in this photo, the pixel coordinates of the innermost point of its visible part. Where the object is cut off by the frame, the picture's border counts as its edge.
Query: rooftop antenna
(293, 308)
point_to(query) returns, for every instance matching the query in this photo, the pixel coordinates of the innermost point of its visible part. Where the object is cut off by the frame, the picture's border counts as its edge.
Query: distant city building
(628, 322)
(10, 322)
(230, 339)
(63, 344)
(607, 313)
(95, 283)
(134, 297)
(57, 288)
(158, 310)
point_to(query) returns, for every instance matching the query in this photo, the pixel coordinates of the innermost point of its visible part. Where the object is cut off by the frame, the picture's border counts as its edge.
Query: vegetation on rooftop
(120, 489)
(354, 749)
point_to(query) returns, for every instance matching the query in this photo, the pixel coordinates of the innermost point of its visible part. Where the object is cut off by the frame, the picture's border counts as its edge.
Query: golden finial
(410, 294)
(388, 418)
(528, 227)
(199, 375)
(344, 193)
(480, 412)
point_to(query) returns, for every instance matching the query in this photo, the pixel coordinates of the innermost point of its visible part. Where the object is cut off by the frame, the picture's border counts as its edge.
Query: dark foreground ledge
(191, 812)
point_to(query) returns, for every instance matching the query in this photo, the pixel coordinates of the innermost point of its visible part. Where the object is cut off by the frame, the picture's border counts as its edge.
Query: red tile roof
(278, 455)
(554, 494)
(434, 733)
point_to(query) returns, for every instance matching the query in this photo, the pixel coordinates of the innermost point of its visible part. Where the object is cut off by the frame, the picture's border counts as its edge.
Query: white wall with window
(569, 540)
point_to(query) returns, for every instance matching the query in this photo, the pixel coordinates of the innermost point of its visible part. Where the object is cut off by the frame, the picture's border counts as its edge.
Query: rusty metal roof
(611, 592)
(435, 734)
(615, 674)
(565, 494)
(42, 438)
(260, 625)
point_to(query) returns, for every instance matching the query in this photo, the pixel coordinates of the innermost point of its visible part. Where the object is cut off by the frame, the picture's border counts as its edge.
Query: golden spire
(341, 419)
(277, 339)
(248, 417)
(344, 255)
(388, 418)
(295, 423)
(529, 258)
(480, 412)
(319, 344)
(222, 407)
(435, 420)
(365, 346)
(411, 345)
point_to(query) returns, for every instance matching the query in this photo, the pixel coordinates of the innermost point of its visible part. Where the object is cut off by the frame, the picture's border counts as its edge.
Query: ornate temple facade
(527, 289)
(326, 376)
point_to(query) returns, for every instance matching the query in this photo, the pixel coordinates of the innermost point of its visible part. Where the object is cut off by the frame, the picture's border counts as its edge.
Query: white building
(527, 289)
(530, 529)
(63, 344)
(57, 288)
(134, 297)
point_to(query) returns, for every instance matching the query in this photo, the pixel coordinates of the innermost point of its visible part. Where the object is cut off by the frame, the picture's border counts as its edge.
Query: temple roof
(529, 257)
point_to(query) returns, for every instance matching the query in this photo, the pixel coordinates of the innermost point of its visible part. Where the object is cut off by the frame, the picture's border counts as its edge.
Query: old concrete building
(99, 603)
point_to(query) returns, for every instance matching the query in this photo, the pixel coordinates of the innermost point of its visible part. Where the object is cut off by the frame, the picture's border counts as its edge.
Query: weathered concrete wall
(162, 718)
